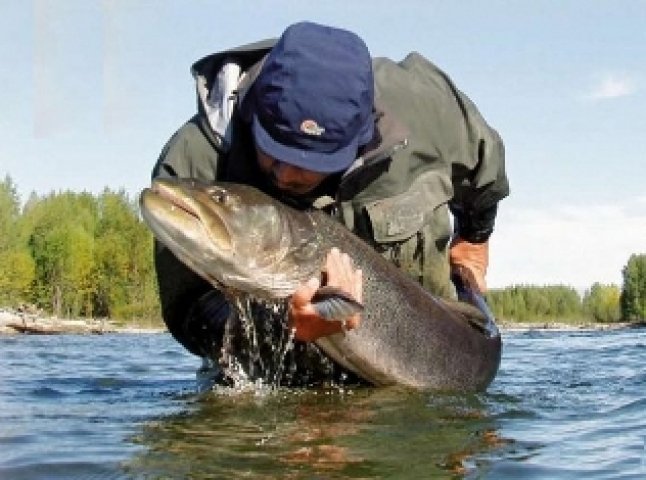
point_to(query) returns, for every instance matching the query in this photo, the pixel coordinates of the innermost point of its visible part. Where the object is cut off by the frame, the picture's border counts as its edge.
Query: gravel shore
(33, 322)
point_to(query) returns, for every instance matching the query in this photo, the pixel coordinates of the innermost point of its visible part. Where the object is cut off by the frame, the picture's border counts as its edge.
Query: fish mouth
(172, 203)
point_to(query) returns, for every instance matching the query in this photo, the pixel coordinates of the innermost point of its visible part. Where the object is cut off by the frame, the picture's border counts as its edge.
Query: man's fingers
(341, 273)
(304, 293)
(472, 277)
(358, 283)
(470, 261)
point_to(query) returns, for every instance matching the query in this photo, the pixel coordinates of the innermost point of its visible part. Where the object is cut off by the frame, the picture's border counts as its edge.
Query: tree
(17, 273)
(9, 211)
(126, 280)
(633, 294)
(601, 302)
(61, 237)
(16, 265)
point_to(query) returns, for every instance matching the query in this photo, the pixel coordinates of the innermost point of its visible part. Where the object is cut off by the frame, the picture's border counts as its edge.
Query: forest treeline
(563, 304)
(83, 255)
(76, 255)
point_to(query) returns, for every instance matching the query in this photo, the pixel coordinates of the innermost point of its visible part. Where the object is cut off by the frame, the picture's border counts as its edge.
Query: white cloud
(571, 245)
(612, 85)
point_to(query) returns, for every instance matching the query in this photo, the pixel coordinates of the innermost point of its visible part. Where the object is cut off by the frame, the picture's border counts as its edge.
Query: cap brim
(333, 162)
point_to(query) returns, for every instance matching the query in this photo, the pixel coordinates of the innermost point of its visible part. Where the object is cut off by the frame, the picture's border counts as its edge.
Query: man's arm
(477, 190)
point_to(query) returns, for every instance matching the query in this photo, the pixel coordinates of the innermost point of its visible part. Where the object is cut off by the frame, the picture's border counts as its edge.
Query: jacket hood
(221, 82)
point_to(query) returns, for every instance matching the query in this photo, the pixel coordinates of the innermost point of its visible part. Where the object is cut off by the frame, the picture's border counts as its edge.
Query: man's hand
(340, 273)
(470, 262)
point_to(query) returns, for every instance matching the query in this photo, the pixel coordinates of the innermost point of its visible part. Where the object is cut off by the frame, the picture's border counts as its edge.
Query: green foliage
(127, 283)
(16, 277)
(633, 295)
(61, 240)
(9, 212)
(16, 263)
(601, 303)
(75, 254)
(526, 303)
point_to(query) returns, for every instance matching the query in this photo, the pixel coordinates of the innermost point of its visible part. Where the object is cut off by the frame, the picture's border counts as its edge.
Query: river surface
(565, 405)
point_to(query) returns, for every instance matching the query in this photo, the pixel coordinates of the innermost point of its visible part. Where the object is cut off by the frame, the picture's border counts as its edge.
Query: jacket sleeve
(448, 136)
(479, 178)
(188, 154)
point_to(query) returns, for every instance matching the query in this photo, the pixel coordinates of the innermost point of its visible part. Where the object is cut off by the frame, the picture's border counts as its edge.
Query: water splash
(255, 346)
(258, 352)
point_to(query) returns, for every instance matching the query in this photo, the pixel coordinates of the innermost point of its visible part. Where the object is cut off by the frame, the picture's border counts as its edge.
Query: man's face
(289, 178)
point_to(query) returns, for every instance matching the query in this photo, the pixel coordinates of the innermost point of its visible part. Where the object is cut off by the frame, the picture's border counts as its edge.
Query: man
(387, 148)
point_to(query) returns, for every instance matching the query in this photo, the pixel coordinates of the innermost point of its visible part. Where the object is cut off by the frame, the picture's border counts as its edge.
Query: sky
(91, 90)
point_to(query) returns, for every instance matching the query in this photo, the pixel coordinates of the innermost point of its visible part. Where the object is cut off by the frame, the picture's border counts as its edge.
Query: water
(565, 405)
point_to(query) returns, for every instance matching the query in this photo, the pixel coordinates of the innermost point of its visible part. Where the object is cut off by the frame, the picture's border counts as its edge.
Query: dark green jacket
(433, 151)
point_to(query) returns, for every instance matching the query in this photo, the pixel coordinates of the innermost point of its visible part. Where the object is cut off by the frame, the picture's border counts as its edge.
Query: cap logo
(310, 127)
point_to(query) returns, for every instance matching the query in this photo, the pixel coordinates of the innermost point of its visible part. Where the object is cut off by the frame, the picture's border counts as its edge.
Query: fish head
(233, 235)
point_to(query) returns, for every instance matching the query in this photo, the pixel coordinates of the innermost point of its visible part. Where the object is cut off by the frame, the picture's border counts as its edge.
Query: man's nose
(284, 172)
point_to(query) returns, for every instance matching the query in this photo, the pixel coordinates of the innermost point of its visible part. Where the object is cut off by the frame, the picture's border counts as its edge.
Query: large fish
(242, 240)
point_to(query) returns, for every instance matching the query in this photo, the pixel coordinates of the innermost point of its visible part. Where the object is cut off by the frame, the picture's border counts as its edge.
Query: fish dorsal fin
(332, 303)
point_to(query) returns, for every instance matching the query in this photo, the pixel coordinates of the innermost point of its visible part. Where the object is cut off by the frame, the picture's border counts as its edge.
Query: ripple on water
(565, 405)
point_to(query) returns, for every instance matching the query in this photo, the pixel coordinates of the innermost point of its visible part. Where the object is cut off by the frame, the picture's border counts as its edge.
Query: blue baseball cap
(313, 98)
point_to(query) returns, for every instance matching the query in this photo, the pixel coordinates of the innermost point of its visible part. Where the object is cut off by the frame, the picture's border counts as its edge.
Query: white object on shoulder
(220, 101)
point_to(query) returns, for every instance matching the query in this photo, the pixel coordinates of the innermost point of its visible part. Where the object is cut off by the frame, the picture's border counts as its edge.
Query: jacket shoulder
(188, 154)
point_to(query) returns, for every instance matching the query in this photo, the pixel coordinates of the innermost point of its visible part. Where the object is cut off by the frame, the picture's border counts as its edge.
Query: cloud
(571, 245)
(612, 85)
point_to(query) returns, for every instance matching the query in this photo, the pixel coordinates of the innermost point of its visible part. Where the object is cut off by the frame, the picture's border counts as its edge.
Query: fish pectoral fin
(335, 305)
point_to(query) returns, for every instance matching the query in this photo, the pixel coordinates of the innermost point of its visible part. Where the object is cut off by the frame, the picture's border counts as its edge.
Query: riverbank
(33, 322)
(523, 326)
